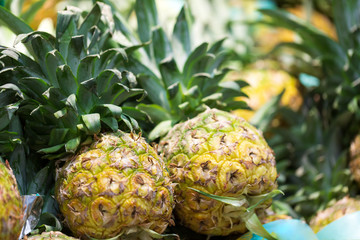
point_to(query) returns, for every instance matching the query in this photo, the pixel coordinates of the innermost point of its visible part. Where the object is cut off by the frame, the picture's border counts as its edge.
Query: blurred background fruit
(335, 211)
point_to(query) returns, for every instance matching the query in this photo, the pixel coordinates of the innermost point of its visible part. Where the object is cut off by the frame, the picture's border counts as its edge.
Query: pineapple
(266, 80)
(11, 210)
(269, 216)
(116, 185)
(113, 183)
(355, 159)
(267, 38)
(220, 154)
(341, 208)
(205, 152)
(47, 10)
(50, 236)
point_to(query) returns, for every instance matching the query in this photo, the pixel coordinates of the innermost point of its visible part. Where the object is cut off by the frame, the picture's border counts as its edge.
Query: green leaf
(92, 122)
(125, 94)
(86, 68)
(57, 136)
(34, 87)
(169, 72)
(52, 149)
(346, 18)
(156, 112)
(91, 19)
(155, 90)
(111, 122)
(66, 28)
(236, 202)
(191, 61)
(111, 109)
(71, 101)
(47, 222)
(112, 58)
(40, 182)
(160, 130)
(161, 45)
(255, 201)
(254, 225)
(15, 24)
(53, 61)
(67, 82)
(127, 122)
(147, 18)
(217, 46)
(75, 52)
(181, 40)
(106, 80)
(73, 144)
(86, 96)
(212, 97)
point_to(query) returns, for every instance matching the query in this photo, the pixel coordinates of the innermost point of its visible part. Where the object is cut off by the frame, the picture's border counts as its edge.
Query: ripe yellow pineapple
(50, 236)
(117, 185)
(267, 80)
(266, 38)
(48, 10)
(11, 210)
(341, 208)
(355, 159)
(221, 154)
(269, 216)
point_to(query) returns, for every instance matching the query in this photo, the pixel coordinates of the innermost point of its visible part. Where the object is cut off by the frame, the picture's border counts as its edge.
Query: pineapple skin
(217, 153)
(117, 184)
(11, 207)
(341, 208)
(354, 164)
(50, 236)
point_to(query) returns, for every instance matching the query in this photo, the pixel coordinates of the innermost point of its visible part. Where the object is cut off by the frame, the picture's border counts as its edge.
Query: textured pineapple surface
(117, 185)
(341, 208)
(11, 211)
(51, 236)
(221, 154)
(355, 159)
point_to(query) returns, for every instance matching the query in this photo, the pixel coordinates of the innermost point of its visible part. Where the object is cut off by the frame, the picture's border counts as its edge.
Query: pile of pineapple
(127, 132)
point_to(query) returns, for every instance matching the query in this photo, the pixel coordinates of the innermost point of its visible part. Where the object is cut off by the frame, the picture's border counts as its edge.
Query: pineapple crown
(181, 81)
(71, 89)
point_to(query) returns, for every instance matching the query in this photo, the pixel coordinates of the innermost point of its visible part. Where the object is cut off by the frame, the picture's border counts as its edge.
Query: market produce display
(127, 121)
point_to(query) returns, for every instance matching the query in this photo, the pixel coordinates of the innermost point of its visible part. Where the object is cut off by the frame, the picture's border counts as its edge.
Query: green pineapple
(214, 152)
(11, 209)
(113, 183)
(50, 236)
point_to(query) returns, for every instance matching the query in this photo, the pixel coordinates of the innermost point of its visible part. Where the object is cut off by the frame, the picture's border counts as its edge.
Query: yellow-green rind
(51, 236)
(11, 208)
(117, 184)
(222, 154)
(341, 208)
(355, 159)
